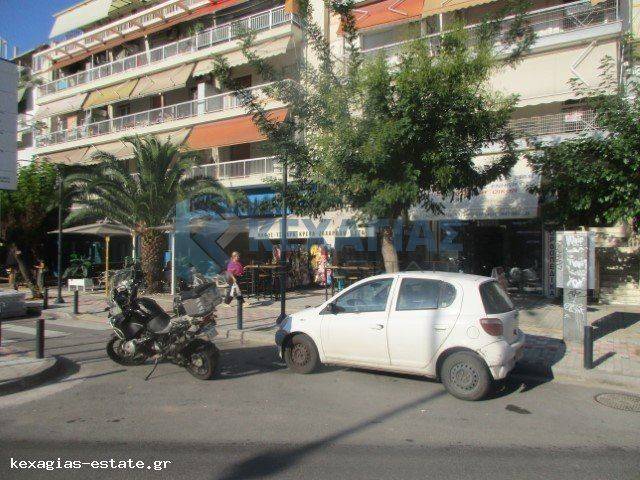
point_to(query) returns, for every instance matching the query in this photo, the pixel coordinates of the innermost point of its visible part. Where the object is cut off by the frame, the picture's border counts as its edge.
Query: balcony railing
(574, 121)
(171, 113)
(212, 36)
(237, 169)
(544, 22)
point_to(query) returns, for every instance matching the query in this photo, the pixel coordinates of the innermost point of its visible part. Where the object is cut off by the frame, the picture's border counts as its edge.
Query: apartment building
(121, 67)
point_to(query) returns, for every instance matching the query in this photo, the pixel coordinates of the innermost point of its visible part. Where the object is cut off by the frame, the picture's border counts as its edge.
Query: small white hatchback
(462, 329)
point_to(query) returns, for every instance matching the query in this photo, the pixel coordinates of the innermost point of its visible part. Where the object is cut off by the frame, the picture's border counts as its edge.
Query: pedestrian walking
(235, 270)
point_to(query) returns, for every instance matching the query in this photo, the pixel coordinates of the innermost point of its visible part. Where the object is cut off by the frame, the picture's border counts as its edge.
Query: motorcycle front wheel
(118, 355)
(204, 361)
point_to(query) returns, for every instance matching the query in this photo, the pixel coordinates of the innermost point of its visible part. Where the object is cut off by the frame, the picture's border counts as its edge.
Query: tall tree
(27, 213)
(380, 137)
(146, 199)
(594, 179)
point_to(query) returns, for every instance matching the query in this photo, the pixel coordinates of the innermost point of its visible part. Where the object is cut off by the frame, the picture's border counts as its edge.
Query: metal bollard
(588, 347)
(76, 296)
(326, 291)
(239, 312)
(40, 338)
(45, 299)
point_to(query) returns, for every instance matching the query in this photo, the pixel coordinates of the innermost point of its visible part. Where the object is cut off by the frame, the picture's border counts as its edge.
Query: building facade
(117, 68)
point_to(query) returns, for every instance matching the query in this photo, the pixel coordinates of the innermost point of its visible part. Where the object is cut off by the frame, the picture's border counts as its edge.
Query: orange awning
(229, 132)
(434, 7)
(387, 11)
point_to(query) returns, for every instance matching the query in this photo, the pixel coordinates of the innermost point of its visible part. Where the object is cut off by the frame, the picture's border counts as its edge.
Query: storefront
(495, 232)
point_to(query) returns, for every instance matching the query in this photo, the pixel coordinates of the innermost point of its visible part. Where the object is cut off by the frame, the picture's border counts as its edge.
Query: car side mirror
(333, 309)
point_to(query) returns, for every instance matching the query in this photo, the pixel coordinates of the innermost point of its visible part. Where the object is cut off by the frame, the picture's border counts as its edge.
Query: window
(495, 299)
(370, 297)
(425, 294)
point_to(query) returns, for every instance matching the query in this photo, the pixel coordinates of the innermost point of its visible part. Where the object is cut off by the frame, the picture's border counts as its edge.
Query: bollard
(239, 314)
(40, 338)
(76, 295)
(588, 347)
(45, 299)
(326, 291)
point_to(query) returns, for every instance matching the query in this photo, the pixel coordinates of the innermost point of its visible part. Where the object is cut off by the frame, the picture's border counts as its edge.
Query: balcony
(546, 23)
(157, 116)
(238, 169)
(207, 38)
(571, 122)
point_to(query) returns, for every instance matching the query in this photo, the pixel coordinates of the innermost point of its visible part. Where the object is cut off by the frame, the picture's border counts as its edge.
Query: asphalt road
(258, 420)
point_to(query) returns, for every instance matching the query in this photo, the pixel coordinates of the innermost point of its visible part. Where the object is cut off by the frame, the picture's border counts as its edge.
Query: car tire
(301, 355)
(466, 376)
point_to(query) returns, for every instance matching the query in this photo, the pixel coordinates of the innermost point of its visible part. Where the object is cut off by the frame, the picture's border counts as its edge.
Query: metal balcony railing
(171, 113)
(207, 38)
(237, 169)
(574, 121)
(544, 22)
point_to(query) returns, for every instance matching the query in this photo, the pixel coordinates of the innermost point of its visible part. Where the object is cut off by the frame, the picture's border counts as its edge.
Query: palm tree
(146, 199)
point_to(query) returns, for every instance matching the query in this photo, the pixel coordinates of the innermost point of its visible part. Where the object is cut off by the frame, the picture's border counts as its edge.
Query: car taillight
(493, 326)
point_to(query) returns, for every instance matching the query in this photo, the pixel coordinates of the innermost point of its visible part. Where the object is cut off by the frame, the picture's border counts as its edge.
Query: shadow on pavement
(274, 461)
(613, 322)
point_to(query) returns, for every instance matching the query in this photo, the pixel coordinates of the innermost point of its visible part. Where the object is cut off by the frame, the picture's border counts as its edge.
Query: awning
(102, 96)
(120, 149)
(76, 156)
(163, 81)
(177, 137)
(387, 11)
(229, 132)
(434, 7)
(59, 107)
(77, 17)
(279, 46)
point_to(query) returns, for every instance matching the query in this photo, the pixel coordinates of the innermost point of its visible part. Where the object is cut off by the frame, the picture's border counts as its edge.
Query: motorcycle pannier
(204, 303)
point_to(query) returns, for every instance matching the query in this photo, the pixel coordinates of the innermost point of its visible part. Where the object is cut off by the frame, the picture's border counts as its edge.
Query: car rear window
(495, 299)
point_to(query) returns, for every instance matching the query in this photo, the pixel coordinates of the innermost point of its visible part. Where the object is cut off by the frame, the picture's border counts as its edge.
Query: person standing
(235, 270)
(41, 269)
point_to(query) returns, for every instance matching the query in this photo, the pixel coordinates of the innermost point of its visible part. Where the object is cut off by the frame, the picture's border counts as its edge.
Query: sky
(27, 23)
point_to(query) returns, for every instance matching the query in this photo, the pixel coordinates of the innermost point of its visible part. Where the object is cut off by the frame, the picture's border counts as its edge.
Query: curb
(53, 367)
(253, 336)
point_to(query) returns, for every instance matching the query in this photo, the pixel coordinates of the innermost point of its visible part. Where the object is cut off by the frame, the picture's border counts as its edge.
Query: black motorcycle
(144, 330)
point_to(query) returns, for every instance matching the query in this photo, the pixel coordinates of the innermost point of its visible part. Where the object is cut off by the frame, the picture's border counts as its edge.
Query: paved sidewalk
(616, 348)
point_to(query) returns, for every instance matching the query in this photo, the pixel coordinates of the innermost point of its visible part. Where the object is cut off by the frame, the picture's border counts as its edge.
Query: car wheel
(465, 376)
(301, 355)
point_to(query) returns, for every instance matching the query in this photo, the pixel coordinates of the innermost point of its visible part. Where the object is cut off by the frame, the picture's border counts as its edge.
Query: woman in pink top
(234, 270)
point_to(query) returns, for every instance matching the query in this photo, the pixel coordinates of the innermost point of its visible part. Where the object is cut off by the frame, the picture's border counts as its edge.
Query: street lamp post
(60, 198)
(283, 247)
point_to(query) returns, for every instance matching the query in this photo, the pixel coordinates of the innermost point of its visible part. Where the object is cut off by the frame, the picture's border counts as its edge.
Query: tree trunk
(24, 271)
(152, 250)
(389, 254)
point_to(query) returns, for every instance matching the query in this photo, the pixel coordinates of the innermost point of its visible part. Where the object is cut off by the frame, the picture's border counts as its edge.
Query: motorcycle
(144, 330)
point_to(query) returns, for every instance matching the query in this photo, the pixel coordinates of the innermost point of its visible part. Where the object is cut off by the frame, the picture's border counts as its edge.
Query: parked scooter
(144, 330)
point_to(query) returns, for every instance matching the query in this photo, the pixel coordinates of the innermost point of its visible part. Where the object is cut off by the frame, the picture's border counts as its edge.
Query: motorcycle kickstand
(155, 365)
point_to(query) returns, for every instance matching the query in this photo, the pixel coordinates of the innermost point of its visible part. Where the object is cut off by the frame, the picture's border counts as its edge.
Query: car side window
(424, 294)
(370, 297)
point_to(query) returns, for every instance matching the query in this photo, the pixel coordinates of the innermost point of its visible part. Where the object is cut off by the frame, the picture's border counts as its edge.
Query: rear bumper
(501, 356)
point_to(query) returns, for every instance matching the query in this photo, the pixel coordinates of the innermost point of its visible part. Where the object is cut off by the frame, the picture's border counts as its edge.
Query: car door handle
(440, 328)
(377, 327)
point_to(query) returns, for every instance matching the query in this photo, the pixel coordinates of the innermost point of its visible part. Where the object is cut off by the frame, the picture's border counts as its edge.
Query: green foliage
(148, 197)
(594, 179)
(380, 137)
(79, 267)
(29, 211)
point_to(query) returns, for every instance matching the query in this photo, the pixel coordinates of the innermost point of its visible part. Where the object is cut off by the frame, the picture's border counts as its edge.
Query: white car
(462, 329)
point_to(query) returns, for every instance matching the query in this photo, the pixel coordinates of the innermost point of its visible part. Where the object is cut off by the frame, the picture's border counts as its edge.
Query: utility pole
(59, 299)
(283, 247)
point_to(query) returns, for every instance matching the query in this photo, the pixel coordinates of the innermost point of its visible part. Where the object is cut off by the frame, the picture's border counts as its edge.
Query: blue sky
(27, 23)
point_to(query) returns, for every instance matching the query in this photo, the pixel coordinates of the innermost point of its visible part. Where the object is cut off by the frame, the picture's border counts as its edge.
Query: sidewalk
(616, 348)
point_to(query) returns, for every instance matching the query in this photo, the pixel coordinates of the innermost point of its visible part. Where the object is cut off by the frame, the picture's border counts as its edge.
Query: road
(257, 420)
